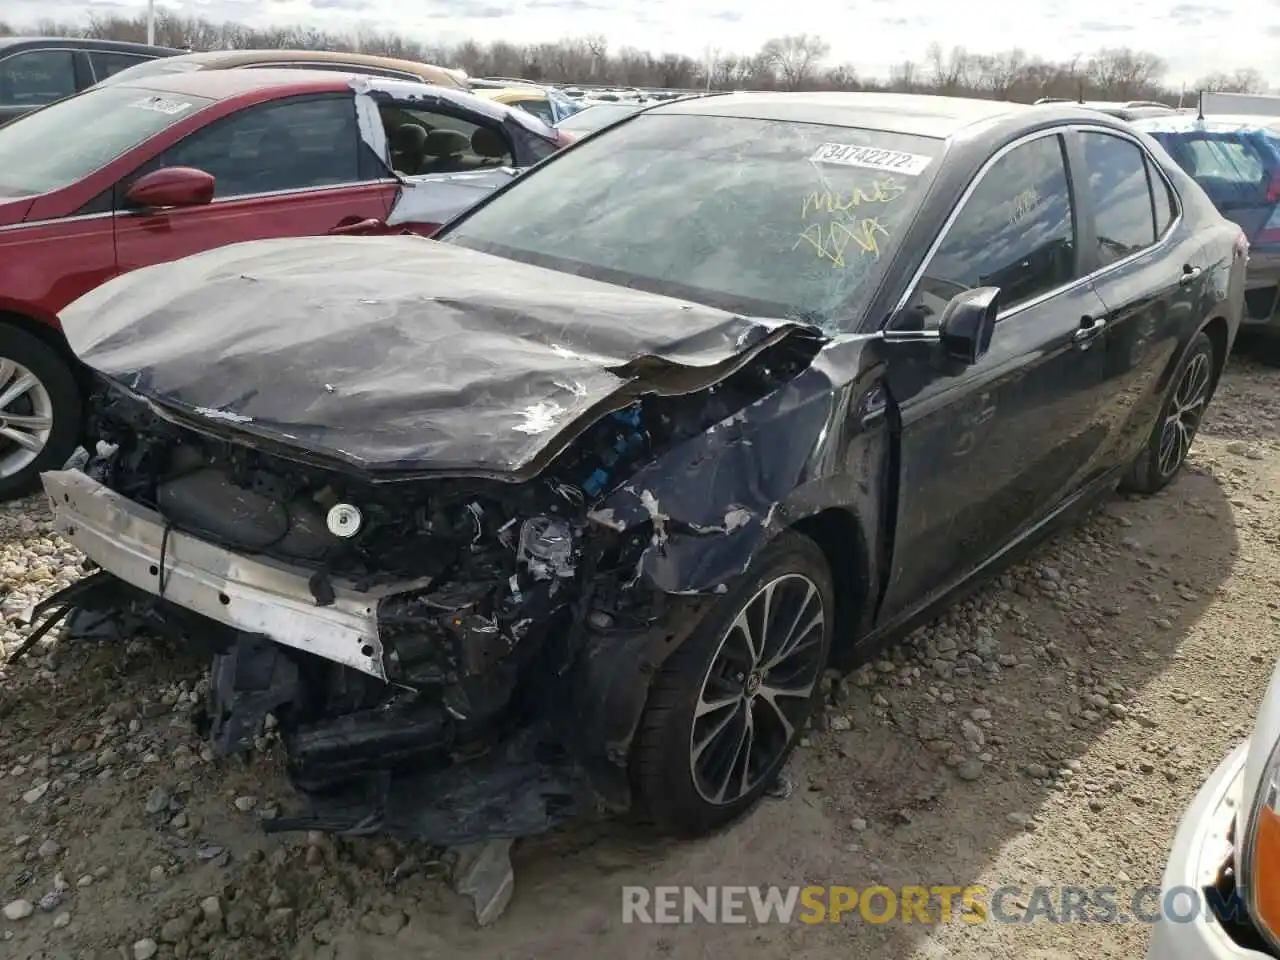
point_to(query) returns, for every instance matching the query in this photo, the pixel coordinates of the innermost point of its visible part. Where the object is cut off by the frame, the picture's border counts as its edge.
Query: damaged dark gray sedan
(567, 510)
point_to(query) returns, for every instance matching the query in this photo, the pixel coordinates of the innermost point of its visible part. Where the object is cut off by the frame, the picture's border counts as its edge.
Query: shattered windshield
(757, 216)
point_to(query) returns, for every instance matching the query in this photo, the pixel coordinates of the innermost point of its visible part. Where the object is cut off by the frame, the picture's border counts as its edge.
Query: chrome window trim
(995, 158)
(327, 188)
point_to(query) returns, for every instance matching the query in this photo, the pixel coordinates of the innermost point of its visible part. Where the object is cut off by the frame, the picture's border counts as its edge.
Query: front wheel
(1180, 416)
(39, 410)
(728, 707)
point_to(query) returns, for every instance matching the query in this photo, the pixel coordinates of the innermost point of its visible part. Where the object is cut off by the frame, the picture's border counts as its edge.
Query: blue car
(1236, 160)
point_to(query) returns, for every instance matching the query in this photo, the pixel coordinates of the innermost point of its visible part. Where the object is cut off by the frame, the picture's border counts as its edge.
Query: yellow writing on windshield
(1024, 204)
(842, 202)
(830, 240)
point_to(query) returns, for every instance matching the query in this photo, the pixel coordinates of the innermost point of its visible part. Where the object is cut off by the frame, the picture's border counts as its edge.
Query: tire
(55, 395)
(1195, 377)
(673, 792)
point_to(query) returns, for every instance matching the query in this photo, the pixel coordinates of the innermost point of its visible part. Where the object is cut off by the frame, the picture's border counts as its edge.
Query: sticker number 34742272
(874, 158)
(162, 105)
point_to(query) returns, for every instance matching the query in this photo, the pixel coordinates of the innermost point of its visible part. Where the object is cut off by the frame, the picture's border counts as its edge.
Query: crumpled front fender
(718, 498)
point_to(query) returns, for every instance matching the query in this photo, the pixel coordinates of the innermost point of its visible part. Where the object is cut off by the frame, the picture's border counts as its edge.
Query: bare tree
(790, 63)
(1244, 80)
(904, 76)
(1121, 73)
(795, 58)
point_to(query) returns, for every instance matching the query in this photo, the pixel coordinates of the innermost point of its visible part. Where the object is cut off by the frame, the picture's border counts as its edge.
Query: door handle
(1189, 275)
(1090, 329)
(360, 226)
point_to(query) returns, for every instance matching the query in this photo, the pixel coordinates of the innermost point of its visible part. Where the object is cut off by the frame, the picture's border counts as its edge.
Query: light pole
(151, 22)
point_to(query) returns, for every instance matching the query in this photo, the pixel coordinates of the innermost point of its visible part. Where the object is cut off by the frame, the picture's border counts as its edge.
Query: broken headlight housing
(1258, 820)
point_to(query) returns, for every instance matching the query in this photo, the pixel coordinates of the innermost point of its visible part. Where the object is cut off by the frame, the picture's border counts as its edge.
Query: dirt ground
(1048, 731)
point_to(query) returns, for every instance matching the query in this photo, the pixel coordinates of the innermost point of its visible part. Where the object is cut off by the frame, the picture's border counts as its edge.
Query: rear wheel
(729, 706)
(39, 410)
(1180, 416)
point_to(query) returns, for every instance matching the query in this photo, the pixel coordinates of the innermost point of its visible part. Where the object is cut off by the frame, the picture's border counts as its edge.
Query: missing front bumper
(252, 595)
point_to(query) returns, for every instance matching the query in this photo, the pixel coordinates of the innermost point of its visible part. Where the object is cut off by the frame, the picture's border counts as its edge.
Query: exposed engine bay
(462, 715)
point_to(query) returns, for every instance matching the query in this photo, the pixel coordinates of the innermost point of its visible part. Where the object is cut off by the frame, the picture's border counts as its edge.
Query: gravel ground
(1049, 730)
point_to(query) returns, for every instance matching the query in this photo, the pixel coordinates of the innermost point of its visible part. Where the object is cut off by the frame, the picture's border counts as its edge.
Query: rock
(145, 949)
(1018, 819)
(157, 800)
(1037, 771)
(49, 849)
(970, 769)
(35, 793)
(858, 823)
(175, 929)
(158, 873)
(62, 920)
(50, 901)
(839, 722)
(211, 909)
(19, 910)
(972, 733)
(245, 804)
(483, 873)
(1119, 710)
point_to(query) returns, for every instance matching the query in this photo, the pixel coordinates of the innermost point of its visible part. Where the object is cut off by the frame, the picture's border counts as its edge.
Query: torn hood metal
(399, 355)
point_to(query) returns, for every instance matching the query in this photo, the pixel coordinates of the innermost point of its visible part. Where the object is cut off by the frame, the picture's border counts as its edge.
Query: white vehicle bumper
(1199, 849)
(256, 595)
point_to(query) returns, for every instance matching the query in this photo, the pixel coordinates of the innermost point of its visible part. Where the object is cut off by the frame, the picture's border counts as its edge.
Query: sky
(1195, 38)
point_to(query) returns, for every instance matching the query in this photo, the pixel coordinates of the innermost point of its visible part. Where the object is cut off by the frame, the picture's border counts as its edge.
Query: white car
(1227, 849)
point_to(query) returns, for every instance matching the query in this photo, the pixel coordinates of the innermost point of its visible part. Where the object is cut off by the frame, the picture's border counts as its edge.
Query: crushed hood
(399, 354)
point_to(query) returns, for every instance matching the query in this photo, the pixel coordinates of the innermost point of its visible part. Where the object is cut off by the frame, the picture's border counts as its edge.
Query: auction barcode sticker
(162, 105)
(874, 158)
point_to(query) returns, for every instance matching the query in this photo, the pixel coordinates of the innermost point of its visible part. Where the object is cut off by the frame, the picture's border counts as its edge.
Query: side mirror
(171, 187)
(967, 324)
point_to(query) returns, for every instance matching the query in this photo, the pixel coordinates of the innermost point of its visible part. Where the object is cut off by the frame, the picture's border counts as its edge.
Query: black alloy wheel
(728, 707)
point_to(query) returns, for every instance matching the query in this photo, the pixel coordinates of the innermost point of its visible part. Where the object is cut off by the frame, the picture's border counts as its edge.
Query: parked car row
(581, 495)
(139, 172)
(561, 490)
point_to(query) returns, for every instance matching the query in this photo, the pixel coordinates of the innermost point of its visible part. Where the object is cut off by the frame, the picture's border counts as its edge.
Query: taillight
(1273, 189)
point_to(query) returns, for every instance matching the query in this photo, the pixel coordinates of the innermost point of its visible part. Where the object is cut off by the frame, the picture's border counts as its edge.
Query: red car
(133, 174)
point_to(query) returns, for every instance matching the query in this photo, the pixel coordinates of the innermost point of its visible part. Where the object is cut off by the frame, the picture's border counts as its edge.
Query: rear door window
(36, 77)
(108, 64)
(1116, 169)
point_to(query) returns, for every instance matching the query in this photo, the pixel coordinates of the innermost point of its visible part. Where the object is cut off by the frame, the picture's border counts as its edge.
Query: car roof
(227, 58)
(84, 43)
(513, 92)
(919, 114)
(224, 84)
